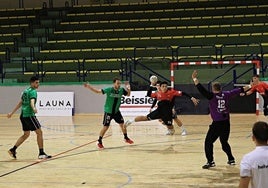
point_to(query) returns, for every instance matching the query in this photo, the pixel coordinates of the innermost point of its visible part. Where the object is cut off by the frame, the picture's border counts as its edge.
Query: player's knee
(39, 132)
(106, 126)
(141, 118)
(26, 134)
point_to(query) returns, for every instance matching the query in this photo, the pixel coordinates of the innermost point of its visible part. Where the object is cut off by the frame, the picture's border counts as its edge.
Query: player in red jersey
(174, 114)
(165, 105)
(261, 87)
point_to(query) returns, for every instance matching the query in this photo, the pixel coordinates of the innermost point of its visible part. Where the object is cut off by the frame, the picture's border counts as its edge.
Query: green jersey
(27, 95)
(113, 99)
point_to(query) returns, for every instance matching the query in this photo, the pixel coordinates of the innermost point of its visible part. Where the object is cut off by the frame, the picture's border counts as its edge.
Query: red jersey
(167, 96)
(261, 88)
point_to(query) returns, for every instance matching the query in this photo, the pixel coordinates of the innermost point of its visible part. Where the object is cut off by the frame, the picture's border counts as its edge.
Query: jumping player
(174, 114)
(165, 105)
(111, 108)
(28, 119)
(220, 114)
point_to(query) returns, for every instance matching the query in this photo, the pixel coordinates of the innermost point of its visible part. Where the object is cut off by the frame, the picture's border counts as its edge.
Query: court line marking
(57, 156)
(43, 160)
(119, 185)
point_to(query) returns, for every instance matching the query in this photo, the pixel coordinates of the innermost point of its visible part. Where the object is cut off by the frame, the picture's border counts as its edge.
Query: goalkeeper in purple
(111, 108)
(220, 114)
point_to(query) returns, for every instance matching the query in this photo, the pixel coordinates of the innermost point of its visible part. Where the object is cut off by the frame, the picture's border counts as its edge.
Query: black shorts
(118, 118)
(30, 123)
(165, 115)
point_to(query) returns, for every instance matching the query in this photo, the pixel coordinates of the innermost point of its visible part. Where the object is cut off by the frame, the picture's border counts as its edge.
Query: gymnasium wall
(85, 100)
(89, 102)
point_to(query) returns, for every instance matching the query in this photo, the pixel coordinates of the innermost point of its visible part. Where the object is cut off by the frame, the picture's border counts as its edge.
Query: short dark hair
(115, 79)
(216, 86)
(164, 82)
(260, 131)
(33, 79)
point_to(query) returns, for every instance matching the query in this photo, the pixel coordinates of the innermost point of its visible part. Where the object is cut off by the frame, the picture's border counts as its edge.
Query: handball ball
(153, 79)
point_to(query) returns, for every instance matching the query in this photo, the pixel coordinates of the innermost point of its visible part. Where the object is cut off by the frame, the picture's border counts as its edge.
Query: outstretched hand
(195, 101)
(251, 83)
(127, 85)
(153, 84)
(9, 115)
(194, 74)
(86, 84)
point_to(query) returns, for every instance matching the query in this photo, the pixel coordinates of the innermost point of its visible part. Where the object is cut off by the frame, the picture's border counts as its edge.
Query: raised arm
(95, 90)
(149, 91)
(200, 88)
(193, 99)
(128, 88)
(153, 104)
(248, 90)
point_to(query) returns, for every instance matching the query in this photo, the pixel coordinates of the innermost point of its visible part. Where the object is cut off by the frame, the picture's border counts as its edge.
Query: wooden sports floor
(154, 160)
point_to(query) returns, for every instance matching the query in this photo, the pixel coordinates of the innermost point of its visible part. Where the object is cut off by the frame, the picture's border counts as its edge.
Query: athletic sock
(125, 136)
(41, 151)
(14, 148)
(100, 139)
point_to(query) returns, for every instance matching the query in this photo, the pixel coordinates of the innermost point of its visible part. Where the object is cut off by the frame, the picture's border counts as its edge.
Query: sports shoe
(12, 153)
(265, 112)
(100, 146)
(208, 165)
(183, 133)
(129, 141)
(170, 131)
(231, 162)
(127, 123)
(44, 156)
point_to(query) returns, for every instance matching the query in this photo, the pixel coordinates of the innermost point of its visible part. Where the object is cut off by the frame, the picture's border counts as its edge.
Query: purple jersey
(219, 104)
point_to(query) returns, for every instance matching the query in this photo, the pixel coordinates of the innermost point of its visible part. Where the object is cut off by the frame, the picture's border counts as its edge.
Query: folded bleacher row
(130, 40)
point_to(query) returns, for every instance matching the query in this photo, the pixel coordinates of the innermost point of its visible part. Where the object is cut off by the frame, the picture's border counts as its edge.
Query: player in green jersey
(28, 119)
(111, 108)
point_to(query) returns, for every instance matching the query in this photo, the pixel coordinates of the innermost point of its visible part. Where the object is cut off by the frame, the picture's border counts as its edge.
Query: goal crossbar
(189, 63)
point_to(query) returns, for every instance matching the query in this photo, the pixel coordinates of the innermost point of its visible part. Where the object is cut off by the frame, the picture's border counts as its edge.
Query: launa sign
(55, 103)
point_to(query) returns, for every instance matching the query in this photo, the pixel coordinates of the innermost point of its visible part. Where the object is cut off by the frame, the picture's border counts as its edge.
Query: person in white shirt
(254, 165)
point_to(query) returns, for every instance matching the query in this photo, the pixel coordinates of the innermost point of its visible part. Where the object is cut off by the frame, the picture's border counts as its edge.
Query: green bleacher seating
(160, 22)
(163, 5)
(103, 35)
(173, 13)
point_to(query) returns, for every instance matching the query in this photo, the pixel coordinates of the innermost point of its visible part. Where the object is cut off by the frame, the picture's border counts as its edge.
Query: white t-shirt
(255, 165)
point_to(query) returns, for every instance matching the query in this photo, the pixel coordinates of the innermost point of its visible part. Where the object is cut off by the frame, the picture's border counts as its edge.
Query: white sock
(183, 128)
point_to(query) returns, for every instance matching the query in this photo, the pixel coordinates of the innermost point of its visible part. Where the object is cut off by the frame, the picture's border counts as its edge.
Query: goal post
(256, 63)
